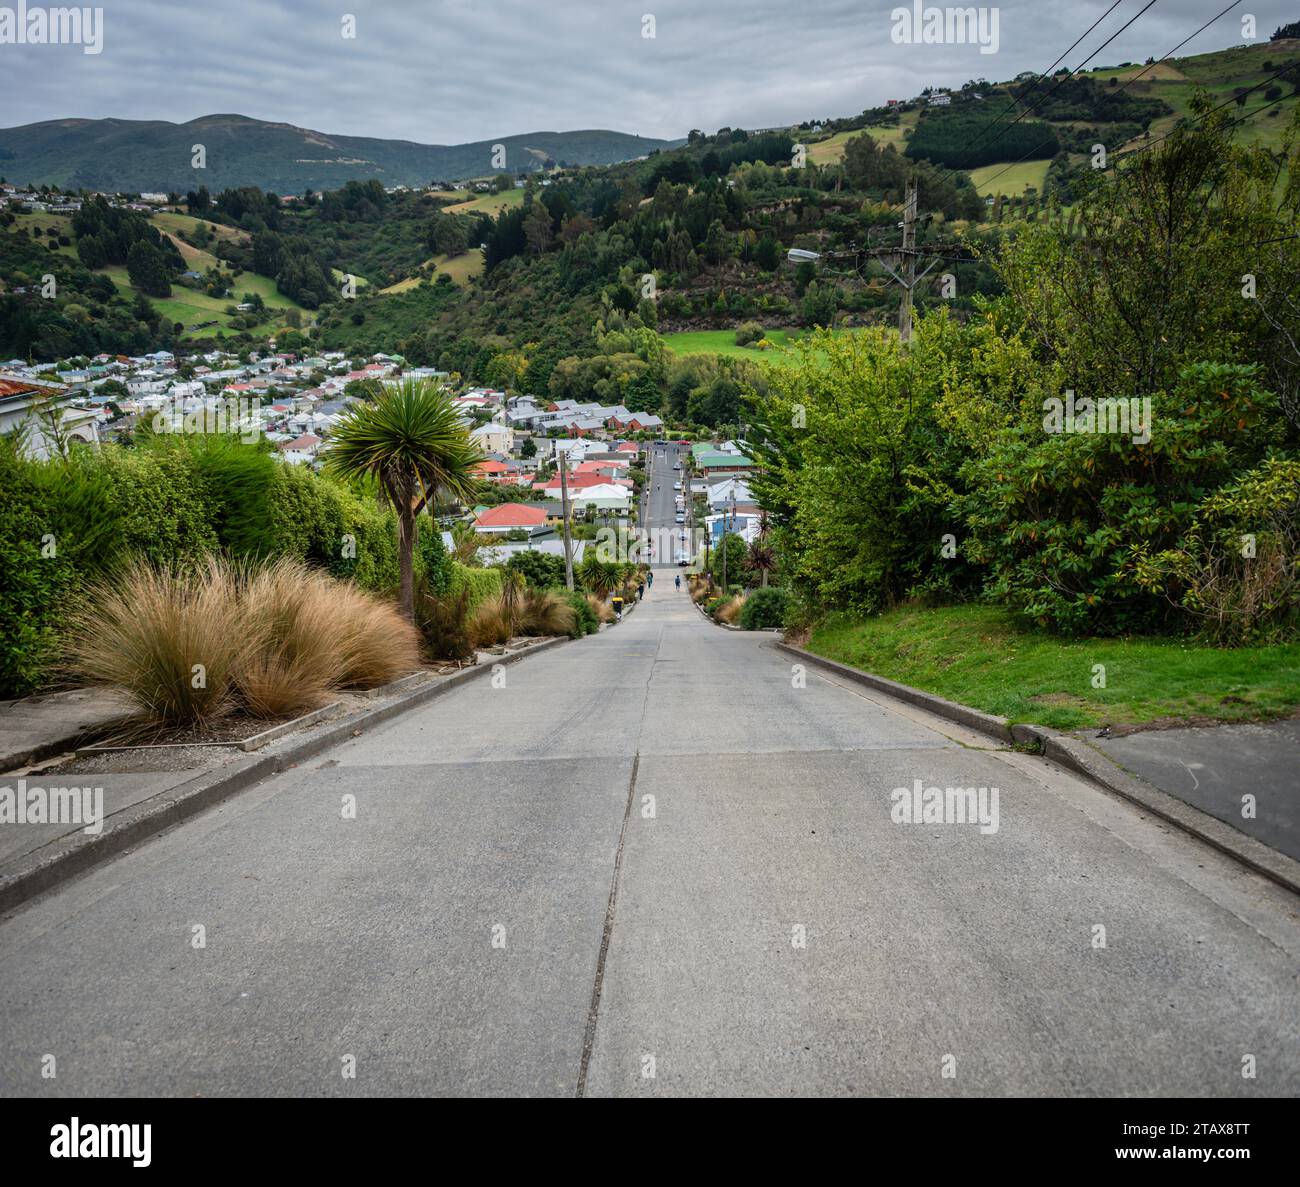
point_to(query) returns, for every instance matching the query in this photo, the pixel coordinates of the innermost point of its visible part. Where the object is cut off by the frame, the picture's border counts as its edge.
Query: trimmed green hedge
(481, 583)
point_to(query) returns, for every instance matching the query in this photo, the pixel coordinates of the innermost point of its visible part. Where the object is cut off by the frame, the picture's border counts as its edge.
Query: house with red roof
(509, 517)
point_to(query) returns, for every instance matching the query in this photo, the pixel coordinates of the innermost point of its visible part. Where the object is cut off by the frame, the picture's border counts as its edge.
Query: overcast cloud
(450, 71)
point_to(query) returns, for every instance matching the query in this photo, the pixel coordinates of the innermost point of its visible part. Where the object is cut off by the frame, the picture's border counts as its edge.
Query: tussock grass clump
(601, 608)
(490, 623)
(543, 612)
(189, 646)
(730, 610)
(374, 643)
(289, 613)
(173, 642)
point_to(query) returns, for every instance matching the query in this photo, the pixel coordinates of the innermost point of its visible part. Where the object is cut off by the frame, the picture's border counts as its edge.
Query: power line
(1219, 107)
(1045, 74)
(1136, 77)
(1061, 82)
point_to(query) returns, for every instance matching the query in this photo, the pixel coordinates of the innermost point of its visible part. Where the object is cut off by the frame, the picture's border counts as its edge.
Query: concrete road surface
(657, 861)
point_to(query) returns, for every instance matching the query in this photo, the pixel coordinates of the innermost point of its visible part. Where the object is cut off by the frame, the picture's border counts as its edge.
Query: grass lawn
(490, 204)
(830, 151)
(193, 308)
(460, 269)
(38, 226)
(724, 342)
(174, 223)
(991, 179)
(977, 656)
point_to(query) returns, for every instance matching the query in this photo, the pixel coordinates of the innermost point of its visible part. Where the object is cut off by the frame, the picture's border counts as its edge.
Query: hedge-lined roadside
(171, 501)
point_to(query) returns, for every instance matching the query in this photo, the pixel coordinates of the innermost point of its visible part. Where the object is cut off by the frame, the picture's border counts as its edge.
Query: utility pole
(728, 519)
(908, 263)
(564, 510)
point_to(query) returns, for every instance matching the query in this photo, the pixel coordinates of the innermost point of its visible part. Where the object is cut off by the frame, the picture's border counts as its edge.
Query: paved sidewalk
(38, 727)
(1213, 767)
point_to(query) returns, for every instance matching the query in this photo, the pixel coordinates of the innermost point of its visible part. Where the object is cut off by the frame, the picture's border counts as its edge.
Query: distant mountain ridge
(155, 155)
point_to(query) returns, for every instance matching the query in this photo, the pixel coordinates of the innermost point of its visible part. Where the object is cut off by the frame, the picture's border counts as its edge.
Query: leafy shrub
(765, 608)
(540, 569)
(1237, 570)
(749, 332)
(585, 619)
(1062, 519)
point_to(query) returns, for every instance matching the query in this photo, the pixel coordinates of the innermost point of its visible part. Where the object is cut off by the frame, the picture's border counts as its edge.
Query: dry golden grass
(490, 624)
(172, 642)
(543, 612)
(375, 644)
(602, 609)
(729, 611)
(187, 648)
(289, 612)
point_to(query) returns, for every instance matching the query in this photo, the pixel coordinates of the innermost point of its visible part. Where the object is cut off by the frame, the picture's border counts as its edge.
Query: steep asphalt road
(598, 871)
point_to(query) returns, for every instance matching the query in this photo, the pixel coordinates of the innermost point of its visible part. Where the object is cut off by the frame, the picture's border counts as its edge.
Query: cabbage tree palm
(408, 437)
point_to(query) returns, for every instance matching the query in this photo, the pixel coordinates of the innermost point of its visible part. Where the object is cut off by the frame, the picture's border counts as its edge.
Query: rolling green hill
(153, 155)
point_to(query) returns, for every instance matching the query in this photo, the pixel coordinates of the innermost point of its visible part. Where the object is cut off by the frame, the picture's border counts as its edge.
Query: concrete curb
(1089, 762)
(1101, 769)
(985, 723)
(77, 852)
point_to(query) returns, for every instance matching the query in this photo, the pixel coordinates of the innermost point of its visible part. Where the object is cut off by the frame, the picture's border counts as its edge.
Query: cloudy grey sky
(449, 71)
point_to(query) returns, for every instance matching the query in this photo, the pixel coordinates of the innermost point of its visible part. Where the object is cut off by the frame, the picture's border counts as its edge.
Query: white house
(493, 437)
(32, 408)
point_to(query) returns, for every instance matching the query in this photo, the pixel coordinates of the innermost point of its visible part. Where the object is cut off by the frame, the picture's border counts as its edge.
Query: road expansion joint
(593, 1011)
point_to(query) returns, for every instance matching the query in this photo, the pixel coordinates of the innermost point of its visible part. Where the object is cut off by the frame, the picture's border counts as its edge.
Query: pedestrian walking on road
(640, 590)
(679, 580)
(650, 579)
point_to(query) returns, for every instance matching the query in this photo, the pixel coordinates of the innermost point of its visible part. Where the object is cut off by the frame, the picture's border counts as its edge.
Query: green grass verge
(977, 656)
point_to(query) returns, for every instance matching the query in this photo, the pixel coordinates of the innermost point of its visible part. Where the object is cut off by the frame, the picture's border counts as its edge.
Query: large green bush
(764, 608)
(1060, 519)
